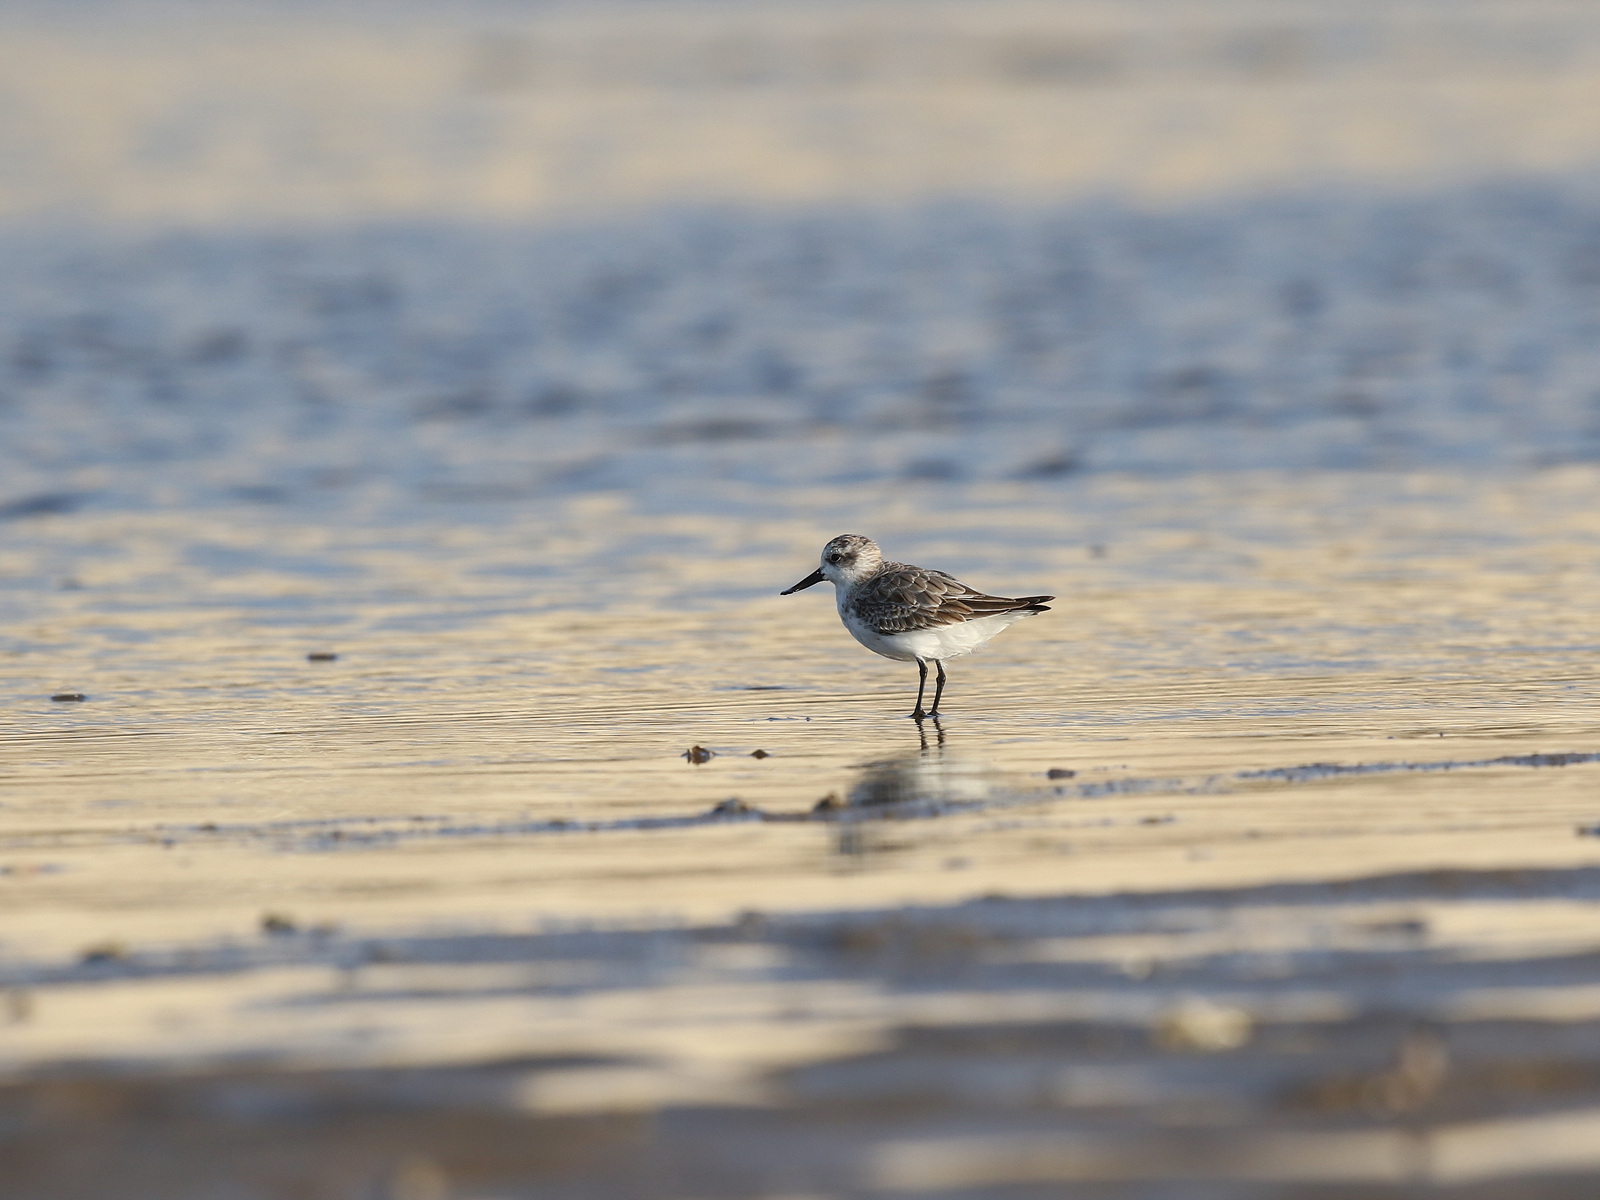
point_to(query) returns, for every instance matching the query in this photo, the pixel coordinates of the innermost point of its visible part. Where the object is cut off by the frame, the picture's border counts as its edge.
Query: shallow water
(1264, 865)
(502, 736)
(462, 878)
(471, 850)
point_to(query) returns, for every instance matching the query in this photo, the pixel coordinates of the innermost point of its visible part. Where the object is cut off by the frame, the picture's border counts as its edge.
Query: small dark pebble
(1589, 830)
(828, 803)
(1157, 820)
(731, 807)
(208, 827)
(698, 754)
(1059, 773)
(322, 656)
(759, 754)
(276, 924)
(64, 696)
(105, 952)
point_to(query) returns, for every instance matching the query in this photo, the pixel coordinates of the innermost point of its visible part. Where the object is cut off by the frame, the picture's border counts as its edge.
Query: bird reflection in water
(917, 785)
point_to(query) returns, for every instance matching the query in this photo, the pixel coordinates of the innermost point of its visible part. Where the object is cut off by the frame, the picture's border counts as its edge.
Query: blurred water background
(518, 354)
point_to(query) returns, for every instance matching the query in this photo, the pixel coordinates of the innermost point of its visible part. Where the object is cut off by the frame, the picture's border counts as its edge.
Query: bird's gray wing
(902, 599)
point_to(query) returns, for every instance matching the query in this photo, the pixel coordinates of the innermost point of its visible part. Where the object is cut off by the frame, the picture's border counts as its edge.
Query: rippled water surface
(502, 735)
(474, 836)
(412, 785)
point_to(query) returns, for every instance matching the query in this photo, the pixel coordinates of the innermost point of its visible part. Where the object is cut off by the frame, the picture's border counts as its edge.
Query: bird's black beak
(814, 577)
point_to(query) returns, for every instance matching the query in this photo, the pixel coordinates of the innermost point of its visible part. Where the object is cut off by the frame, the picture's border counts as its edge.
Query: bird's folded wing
(905, 599)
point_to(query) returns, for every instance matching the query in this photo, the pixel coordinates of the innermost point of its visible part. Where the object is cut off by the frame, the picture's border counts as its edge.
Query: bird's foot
(919, 715)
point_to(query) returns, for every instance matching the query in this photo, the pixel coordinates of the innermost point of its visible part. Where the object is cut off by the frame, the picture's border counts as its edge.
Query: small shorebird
(912, 614)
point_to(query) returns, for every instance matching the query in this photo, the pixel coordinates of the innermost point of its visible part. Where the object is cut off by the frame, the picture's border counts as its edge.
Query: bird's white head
(847, 559)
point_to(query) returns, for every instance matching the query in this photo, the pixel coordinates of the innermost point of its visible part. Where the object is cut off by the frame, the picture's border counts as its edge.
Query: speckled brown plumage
(911, 614)
(900, 598)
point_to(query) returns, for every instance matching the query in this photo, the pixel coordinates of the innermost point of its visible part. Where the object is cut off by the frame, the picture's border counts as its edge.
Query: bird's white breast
(931, 645)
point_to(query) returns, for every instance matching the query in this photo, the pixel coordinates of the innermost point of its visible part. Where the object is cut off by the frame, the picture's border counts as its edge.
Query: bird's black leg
(938, 690)
(922, 682)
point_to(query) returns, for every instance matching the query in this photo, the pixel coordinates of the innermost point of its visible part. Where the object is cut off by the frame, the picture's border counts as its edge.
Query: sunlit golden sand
(508, 113)
(214, 776)
(1267, 860)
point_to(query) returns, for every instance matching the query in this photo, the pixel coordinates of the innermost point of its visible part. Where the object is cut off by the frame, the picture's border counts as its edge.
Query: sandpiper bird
(912, 614)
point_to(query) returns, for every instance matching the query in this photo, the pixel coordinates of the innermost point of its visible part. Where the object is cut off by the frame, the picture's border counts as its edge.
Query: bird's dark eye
(833, 558)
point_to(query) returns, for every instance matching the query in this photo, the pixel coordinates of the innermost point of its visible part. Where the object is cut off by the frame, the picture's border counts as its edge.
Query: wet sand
(1308, 902)
(398, 479)
(251, 113)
